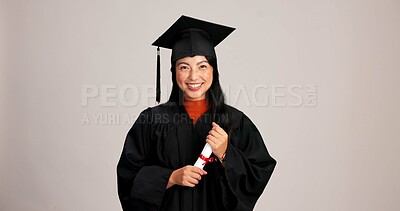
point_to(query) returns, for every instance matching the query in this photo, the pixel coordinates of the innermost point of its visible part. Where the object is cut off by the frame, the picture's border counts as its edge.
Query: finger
(188, 184)
(212, 144)
(195, 174)
(193, 180)
(219, 130)
(199, 170)
(214, 147)
(212, 139)
(195, 169)
(215, 125)
(215, 134)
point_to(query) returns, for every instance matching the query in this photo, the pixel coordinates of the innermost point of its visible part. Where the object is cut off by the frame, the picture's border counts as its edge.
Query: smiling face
(194, 77)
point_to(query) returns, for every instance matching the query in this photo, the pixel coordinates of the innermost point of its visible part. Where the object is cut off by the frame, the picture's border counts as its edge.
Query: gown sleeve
(248, 168)
(141, 186)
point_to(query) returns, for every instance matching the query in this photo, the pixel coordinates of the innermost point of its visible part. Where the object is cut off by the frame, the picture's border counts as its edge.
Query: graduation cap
(190, 37)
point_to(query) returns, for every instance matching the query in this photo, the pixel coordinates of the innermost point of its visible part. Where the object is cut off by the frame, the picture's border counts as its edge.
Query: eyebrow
(189, 65)
(202, 62)
(181, 63)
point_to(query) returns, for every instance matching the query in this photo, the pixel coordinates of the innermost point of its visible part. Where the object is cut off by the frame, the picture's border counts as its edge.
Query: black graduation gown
(164, 138)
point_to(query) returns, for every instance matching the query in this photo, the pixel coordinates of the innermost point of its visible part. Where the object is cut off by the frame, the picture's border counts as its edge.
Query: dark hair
(214, 95)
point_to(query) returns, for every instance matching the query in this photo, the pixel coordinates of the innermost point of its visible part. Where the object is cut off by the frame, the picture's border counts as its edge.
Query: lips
(194, 86)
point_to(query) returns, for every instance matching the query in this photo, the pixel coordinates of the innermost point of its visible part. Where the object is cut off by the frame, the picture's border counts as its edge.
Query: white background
(341, 154)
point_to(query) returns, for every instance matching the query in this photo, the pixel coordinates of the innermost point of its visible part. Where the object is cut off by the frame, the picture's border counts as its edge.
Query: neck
(196, 108)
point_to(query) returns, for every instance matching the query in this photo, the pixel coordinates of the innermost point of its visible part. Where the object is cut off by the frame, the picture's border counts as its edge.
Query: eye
(183, 67)
(203, 66)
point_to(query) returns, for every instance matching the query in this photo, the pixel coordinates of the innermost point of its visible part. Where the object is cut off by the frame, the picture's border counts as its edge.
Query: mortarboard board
(190, 37)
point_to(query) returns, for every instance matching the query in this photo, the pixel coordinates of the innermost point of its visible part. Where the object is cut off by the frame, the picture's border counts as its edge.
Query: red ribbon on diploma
(206, 159)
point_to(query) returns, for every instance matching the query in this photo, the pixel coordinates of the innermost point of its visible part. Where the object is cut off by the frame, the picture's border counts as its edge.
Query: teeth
(194, 85)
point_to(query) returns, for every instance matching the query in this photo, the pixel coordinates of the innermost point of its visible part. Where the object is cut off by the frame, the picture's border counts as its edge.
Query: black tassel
(158, 89)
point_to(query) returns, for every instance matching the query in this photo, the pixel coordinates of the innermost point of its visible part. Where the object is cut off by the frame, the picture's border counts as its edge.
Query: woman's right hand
(186, 176)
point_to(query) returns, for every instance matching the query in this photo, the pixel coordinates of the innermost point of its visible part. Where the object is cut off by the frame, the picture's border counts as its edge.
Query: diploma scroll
(204, 157)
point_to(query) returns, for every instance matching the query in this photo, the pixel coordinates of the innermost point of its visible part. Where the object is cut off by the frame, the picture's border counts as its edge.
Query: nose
(193, 74)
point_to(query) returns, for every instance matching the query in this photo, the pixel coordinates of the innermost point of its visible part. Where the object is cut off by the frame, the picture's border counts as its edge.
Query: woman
(156, 171)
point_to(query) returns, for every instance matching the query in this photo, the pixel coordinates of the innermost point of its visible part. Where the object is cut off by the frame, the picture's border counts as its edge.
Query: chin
(195, 96)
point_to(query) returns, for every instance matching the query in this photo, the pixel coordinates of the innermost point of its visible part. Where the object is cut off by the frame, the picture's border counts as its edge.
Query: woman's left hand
(218, 139)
